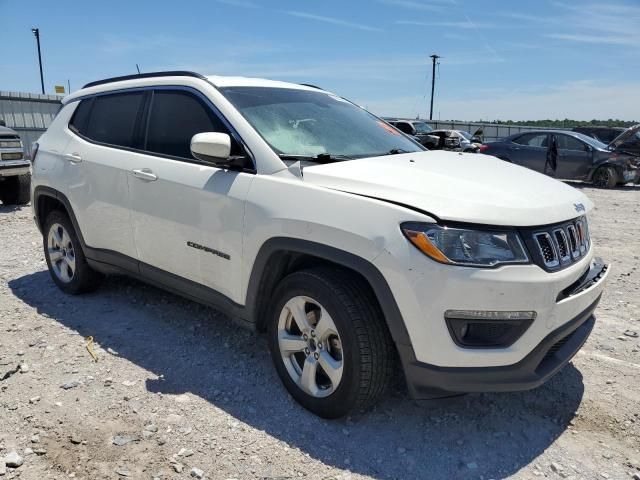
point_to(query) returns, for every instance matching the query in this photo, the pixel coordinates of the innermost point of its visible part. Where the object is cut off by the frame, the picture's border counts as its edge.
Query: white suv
(300, 214)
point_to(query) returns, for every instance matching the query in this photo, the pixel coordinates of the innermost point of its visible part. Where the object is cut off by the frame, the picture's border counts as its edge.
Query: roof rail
(312, 86)
(177, 73)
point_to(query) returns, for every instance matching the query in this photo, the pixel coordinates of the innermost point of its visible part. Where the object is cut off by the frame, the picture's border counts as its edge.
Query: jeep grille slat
(560, 245)
(547, 249)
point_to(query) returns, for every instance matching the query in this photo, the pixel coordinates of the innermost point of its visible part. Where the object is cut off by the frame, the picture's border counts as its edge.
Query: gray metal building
(29, 114)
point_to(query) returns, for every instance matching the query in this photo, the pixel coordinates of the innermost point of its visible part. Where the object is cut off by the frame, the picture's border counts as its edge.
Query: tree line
(568, 123)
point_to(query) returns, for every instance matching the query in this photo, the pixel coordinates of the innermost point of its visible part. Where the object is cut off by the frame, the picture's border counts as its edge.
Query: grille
(557, 346)
(563, 245)
(558, 246)
(547, 249)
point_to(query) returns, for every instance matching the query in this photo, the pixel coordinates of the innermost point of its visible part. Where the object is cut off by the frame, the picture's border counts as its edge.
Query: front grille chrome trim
(547, 249)
(562, 244)
(559, 245)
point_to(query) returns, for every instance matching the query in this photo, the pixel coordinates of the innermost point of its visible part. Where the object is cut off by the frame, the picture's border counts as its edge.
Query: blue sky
(501, 59)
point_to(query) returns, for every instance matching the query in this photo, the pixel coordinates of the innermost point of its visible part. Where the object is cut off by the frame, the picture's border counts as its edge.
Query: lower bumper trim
(427, 381)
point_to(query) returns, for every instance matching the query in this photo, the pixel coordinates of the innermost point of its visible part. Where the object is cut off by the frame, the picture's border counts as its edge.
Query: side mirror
(211, 147)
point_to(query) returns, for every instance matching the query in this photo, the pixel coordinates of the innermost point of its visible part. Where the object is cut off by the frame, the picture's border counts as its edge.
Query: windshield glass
(422, 127)
(311, 123)
(591, 141)
(466, 135)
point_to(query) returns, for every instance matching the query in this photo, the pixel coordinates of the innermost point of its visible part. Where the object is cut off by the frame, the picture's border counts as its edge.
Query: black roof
(176, 73)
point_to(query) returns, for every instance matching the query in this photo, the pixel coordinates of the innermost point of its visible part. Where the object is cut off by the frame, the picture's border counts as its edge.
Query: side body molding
(248, 314)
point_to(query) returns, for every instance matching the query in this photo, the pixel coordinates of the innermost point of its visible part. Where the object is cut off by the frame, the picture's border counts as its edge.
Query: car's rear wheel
(329, 342)
(16, 190)
(605, 177)
(65, 258)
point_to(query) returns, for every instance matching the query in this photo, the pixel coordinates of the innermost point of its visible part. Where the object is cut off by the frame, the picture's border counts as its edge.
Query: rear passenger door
(530, 150)
(96, 164)
(187, 216)
(574, 157)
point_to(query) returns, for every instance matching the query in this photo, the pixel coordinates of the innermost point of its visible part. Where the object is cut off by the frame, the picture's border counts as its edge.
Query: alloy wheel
(61, 253)
(601, 178)
(310, 346)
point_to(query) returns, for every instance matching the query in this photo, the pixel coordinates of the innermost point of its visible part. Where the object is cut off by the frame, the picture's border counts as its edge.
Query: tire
(67, 264)
(605, 177)
(16, 190)
(353, 343)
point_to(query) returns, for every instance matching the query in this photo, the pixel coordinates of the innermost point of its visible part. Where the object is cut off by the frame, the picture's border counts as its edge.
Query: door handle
(145, 174)
(73, 157)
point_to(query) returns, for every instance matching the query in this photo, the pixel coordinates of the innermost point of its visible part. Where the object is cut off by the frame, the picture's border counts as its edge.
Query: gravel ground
(178, 391)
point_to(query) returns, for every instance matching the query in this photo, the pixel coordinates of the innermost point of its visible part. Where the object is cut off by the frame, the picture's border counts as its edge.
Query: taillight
(484, 147)
(34, 152)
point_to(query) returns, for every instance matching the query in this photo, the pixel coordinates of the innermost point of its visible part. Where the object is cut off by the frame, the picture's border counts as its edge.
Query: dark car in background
(605, 134)
(570, 156)
(419, 130)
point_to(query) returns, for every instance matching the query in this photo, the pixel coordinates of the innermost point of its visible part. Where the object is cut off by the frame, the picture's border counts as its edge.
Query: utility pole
(36, 32)
(434, 57)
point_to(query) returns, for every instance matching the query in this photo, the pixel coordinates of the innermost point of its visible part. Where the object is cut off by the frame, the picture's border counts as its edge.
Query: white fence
(491, 131)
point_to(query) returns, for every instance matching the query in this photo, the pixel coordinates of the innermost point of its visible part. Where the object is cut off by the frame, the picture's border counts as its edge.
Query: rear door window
(532, 140)
(113, 118)
(175, 117)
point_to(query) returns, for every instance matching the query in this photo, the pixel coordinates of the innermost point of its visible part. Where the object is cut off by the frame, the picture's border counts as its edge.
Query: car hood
(457, 187)
(624, 136)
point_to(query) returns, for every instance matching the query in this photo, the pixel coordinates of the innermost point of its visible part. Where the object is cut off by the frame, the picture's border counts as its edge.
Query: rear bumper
(10, 168)
(554, 352)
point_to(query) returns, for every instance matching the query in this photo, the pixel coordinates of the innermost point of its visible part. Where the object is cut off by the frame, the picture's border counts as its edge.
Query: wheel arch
(282, 255)
(47, 199)
(594, 169)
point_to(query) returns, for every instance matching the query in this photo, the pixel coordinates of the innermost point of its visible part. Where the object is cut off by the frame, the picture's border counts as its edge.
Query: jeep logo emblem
(579, 207)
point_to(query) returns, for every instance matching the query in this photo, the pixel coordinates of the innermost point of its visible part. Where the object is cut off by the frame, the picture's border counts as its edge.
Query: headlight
(469, 247)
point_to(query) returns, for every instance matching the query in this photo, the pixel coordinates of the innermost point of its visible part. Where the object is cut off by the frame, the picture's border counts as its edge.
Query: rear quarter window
(80, 118)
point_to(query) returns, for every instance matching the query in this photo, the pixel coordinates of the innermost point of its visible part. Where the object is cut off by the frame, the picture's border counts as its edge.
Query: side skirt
(110, 262)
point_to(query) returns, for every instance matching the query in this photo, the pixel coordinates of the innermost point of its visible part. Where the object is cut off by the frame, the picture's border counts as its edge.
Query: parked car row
(571, 155)
(454, 140)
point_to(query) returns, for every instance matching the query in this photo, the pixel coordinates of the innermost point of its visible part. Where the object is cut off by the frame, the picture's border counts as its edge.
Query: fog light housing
(487, 329)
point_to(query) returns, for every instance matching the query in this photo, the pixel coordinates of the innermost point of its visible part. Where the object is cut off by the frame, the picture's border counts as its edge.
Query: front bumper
(10, 168)
(435, 365)
(554, 352)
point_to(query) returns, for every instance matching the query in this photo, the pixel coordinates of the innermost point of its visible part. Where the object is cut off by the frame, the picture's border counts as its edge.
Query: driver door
(187, 217)
(530, 150)
(575, 157)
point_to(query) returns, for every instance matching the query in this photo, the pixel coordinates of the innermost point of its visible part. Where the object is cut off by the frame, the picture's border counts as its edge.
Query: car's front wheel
(329, 342)
(65, 258)
(605, 177)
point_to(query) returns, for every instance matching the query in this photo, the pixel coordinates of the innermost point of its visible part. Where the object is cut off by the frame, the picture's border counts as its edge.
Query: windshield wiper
(320, 158)
(393, 151)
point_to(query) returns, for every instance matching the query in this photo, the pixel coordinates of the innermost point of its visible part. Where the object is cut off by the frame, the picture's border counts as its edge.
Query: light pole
(434, 57)
(36, 32)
